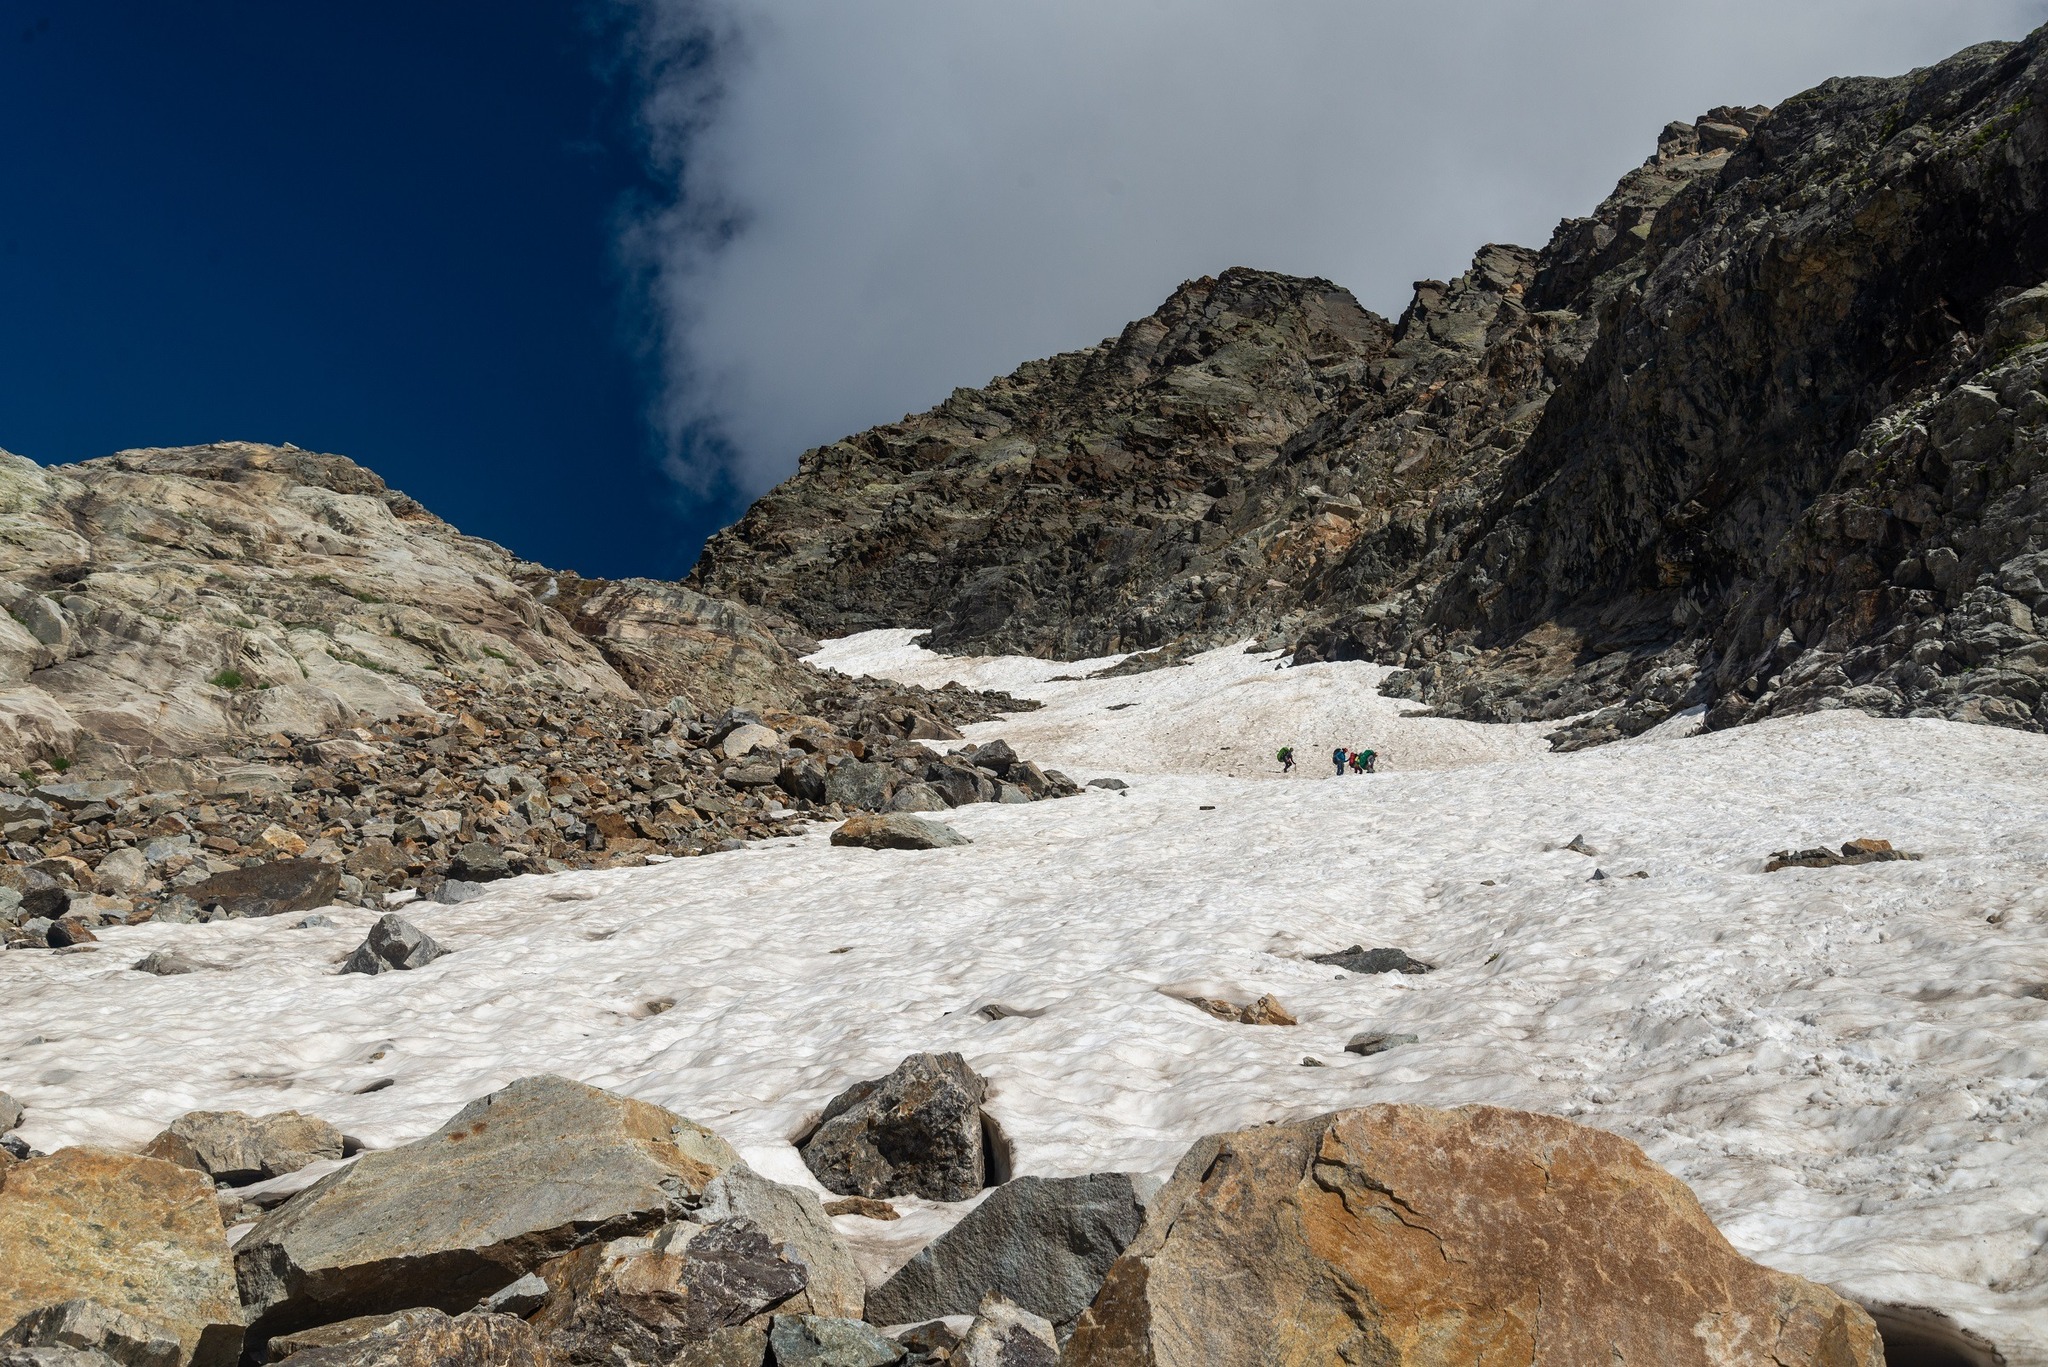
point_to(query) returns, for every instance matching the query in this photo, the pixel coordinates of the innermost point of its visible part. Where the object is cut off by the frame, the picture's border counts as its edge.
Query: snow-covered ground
(1850, 1066)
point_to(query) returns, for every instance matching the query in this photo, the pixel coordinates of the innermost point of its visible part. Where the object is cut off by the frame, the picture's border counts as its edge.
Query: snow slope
(1850, 1066)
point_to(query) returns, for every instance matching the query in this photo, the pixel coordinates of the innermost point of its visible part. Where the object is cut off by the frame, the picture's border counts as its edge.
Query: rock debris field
(1848, 1065)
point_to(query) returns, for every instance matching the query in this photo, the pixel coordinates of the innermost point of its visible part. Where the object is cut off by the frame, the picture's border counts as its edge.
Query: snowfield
(1850, 1066)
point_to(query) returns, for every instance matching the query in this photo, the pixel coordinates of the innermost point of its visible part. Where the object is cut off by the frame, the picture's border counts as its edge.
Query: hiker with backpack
(1286, 758)
(1337, 757)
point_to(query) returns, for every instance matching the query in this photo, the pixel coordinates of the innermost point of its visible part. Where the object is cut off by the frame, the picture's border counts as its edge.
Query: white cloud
(878, 200)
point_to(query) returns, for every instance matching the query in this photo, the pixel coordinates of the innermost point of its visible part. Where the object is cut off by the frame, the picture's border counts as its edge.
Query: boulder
(237, 1148)
(86, 1326)
(856, 783)
(996, 757)
(394, 943)
(1044, 1243)
(165, 963)
(815, 1341)
(741, 1345)
(897, 831)
(1359, 959)
(1407, 1235)
(1864, 851)
(11, 1113)
(341, 1331)
(123, 870)
(1369, 1042)
(516, 1178)
(283, 885)
(479, 862)
(862, 1206)
(77, 796)
(641, 1300)
(917, 797)
(429, 1338)
(916, 1132)
(794, 1219)
(745, 739)
(1006, 1335)
(138, 1235)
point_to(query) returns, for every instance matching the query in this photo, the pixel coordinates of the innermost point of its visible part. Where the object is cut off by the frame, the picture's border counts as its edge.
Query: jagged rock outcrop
(1761, 434)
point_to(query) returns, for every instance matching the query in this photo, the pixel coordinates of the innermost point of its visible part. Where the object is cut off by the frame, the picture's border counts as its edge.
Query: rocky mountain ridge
(1761, 434)
(247, 680)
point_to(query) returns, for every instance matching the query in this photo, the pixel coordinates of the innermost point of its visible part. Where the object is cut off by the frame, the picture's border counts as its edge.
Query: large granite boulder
(283, 885)
(897, 831)
(237, 1148)
(1043, 1243)
(516, 1178)
(429, 1338)
(138, 1235)
(1404, 1235)
(916, 1132)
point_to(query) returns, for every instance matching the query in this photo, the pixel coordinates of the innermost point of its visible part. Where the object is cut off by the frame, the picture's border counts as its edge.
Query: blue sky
(384, 230)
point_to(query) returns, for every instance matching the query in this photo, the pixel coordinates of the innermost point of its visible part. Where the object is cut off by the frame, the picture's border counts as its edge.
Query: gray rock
(1115, 785)
(856, 783)
(54, 1357)
(996, 756)
(429, 1338)
(814, 1341)
(122, 870)
(343, 1331)
(1007, 1335)
(479, 862)
(916, 1132)
(394, 943)
(521, 1298)
(88, 1326)
(316, 922)
(794, 1219)
(165, 963)
(1045, 1243)
(917, 797)
(1370, 1042)
(736, 1345)
(516, 1178)
(642, 1300)
(454, 891)
(897, 831)
(77, 796)
(283, 885)
(1359, 959)
(237, 1148)
(11, 1113)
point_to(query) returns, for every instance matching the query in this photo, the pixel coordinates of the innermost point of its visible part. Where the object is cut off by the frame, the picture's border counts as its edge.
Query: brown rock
(283, 885)
(429, 1338)
(896, 831)
(1267, 1010)
(1404, 1235)
(138, 1235)
(864, 1206)
(232, 1147)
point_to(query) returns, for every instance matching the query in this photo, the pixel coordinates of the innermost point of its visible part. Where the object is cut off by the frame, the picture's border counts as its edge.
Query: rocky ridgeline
(495, 783)
(551, 1224)
(1765, 433)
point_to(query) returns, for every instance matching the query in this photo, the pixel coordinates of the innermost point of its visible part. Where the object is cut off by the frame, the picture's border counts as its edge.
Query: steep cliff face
(1760, 433)
(1249, 459)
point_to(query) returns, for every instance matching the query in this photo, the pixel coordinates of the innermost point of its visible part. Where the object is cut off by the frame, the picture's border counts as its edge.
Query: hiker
(1337, 757)
(1357, 763)
(1366, 759)
(1286, 758)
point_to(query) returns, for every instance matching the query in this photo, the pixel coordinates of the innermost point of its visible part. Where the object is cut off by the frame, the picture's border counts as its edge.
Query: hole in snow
(1915, 1336)
(998, 1159)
